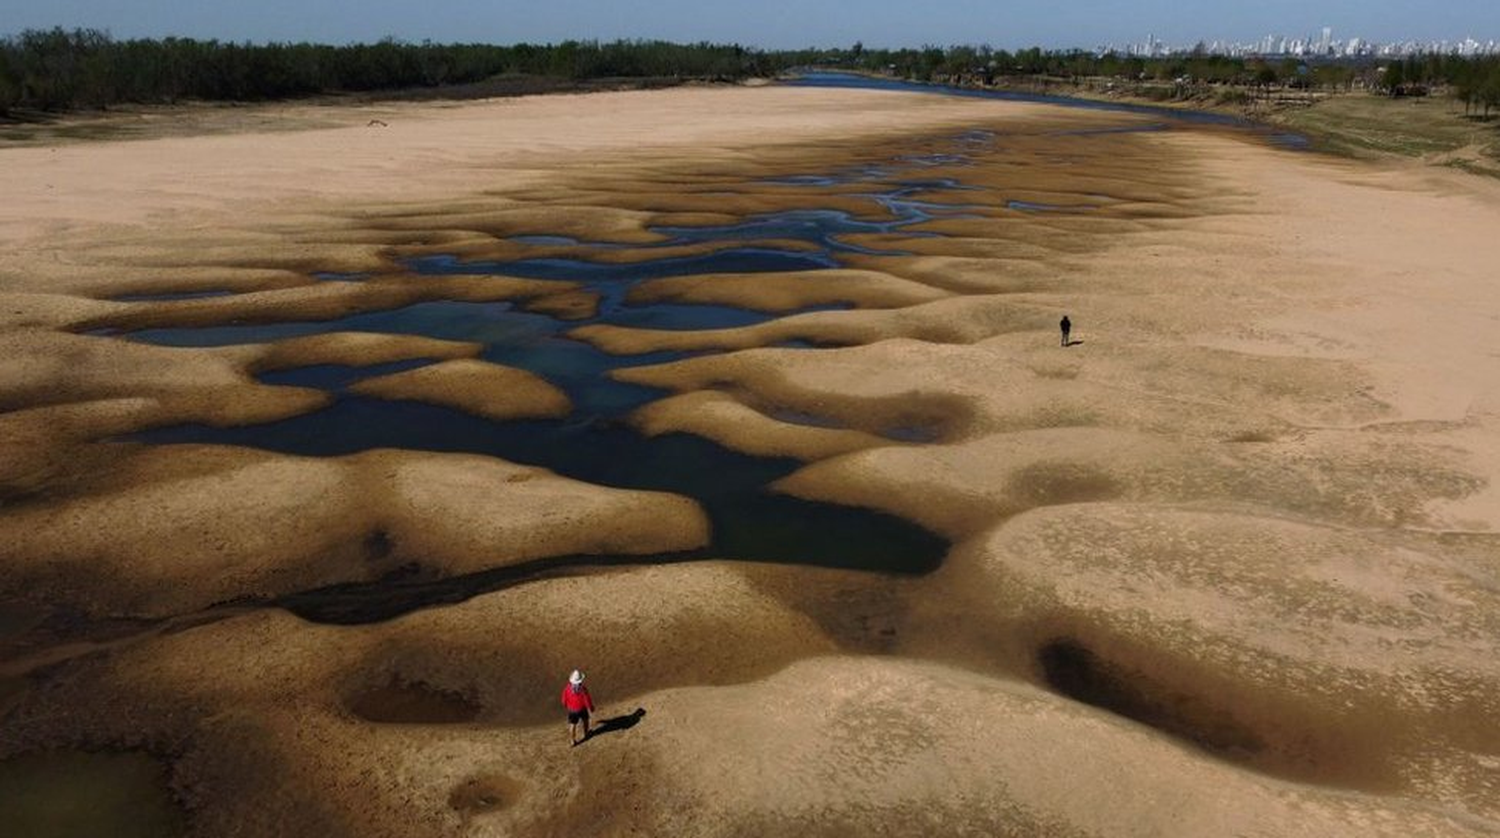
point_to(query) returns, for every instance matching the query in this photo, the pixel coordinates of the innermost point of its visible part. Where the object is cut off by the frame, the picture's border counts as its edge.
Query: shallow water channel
(128, 793)
(594, 443)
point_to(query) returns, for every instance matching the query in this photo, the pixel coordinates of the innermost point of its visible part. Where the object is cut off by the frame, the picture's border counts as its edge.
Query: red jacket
(576, 701)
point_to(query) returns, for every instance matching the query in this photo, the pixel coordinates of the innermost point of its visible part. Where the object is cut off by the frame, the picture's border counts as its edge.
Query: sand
(1225, 566)
(783, 292)
(484, 389)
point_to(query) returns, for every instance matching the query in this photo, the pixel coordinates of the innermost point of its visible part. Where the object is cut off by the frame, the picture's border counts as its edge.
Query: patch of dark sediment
(1317, 654)
(398, 701)
(75, 792)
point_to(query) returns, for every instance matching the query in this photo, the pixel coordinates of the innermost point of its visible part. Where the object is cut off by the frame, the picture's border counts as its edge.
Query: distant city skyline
(777, 24)
(1324, 44)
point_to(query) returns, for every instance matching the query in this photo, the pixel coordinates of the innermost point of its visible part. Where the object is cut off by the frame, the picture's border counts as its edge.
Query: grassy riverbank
(1434, 129)
(1357, 124)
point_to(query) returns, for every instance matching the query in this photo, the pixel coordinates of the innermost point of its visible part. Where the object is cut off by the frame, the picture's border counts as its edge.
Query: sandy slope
(1253, 518)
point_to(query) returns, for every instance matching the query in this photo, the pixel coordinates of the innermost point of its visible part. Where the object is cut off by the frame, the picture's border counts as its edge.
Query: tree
(1393, 77)
(10, 85)
(1264, 74)
(1489, 90)
(1290, 71)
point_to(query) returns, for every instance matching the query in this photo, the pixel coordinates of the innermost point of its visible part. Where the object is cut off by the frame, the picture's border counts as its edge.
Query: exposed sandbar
(478, 387)
(787, 291)
(711, 414)
(177, 528)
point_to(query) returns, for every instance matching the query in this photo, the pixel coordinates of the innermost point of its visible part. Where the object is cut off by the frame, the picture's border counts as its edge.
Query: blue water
(168, 296)
(336, 377)
(594, 443)
(1036, 206)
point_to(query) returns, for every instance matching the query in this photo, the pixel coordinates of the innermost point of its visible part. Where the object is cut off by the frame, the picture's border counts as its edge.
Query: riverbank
(1360, 124)
(187, 119)
(1226, 564)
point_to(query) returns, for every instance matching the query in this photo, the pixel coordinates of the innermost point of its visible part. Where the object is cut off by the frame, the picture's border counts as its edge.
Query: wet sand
(1228, 564)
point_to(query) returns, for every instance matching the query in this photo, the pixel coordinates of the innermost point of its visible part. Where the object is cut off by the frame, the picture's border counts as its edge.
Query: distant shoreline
(1357, 124)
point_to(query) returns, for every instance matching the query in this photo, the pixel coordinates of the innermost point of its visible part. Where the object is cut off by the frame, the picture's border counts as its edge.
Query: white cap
(576, 677)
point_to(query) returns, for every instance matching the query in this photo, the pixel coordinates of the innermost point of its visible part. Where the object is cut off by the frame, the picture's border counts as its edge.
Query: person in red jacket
(576, 698)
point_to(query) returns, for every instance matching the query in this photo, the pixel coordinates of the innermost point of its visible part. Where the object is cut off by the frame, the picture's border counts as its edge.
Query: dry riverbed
(1228, 564)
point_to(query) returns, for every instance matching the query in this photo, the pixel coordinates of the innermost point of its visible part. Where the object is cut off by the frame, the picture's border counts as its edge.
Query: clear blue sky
(765, 23)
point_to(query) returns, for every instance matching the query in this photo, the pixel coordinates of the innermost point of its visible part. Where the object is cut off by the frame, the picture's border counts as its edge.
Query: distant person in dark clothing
(1067, 327)
(576, 698)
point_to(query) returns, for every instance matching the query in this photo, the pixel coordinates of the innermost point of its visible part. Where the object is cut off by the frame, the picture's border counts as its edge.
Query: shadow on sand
(616, 724)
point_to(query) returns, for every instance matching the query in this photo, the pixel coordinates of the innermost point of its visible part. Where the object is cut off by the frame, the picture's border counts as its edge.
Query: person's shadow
(1072, 342)
(618, 723)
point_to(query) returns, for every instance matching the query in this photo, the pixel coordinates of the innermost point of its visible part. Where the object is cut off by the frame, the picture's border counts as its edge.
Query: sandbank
(481, 388)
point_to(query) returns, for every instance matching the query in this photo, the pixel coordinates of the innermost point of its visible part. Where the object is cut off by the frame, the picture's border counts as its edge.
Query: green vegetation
(1474, 80)
(991, 65)
(1435, 128)
(60, 70)
(1391, 107)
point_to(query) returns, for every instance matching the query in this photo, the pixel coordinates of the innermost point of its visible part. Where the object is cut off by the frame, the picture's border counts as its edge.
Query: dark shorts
(580, 716)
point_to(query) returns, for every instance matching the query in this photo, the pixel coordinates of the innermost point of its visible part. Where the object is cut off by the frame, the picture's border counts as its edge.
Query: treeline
(56, 70)
(931, 63)
(59, 69)
(1474, 80)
